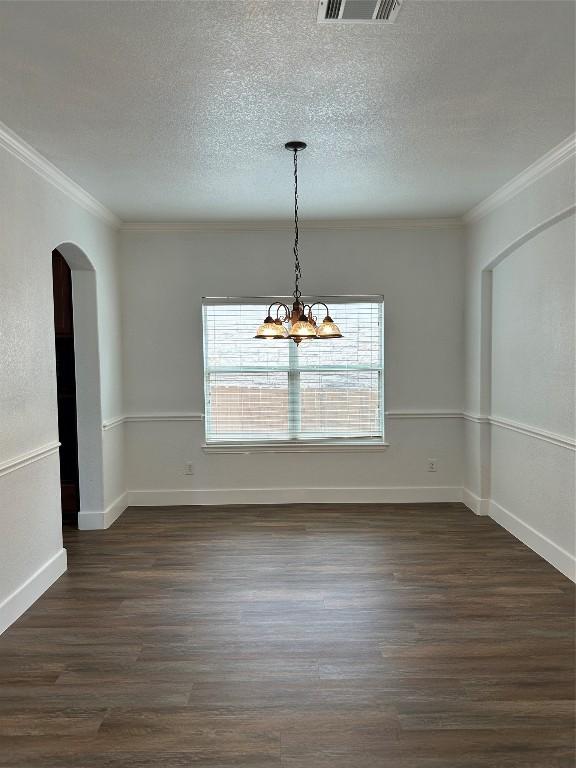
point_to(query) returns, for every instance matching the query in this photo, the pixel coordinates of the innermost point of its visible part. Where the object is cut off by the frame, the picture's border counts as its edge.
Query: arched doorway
(66, 387)
(78, 383)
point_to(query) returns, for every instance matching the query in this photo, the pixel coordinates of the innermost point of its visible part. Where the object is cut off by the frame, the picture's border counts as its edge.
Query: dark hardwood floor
(301, 637)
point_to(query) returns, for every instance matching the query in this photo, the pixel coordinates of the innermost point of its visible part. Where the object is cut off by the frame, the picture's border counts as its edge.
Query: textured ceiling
(179, 110)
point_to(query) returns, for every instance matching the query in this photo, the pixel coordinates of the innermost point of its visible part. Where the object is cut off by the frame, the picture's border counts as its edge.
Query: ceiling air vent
(354, 11)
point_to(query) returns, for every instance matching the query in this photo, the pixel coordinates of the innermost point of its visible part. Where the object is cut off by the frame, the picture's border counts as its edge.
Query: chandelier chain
(297, 268)
(300, 317)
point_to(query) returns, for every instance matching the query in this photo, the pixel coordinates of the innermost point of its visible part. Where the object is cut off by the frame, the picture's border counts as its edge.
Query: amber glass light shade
(271, 329)
(328, 329)
(283, 333)
(302, 329)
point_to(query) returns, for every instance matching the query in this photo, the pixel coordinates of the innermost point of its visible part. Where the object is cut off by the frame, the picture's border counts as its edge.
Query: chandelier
(298, 323)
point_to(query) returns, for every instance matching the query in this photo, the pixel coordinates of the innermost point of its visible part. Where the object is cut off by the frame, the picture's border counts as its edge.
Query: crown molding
(288, 224)
(22, 151)
(552, 159)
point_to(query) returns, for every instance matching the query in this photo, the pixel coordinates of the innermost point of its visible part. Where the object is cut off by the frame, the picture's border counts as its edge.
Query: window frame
(294, 443)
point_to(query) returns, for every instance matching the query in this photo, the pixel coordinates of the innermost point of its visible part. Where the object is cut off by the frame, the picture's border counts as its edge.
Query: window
(328, 390)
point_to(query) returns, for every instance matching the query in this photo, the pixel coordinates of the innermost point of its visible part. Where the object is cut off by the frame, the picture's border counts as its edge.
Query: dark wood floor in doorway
(294, 637)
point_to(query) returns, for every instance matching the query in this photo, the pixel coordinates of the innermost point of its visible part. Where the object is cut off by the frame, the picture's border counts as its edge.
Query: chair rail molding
(112, 423)
(563, 441)
(151, 417)
(423, 414)
(36, 454)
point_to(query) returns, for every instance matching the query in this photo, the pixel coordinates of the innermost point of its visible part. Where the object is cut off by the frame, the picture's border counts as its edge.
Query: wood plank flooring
(294, 637)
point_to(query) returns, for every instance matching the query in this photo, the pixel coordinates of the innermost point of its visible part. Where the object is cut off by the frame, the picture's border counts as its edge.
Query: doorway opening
(78, 386)
(66, 388)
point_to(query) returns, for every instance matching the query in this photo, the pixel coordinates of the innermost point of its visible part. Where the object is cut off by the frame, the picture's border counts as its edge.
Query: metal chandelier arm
(279, 306)
(319, 304)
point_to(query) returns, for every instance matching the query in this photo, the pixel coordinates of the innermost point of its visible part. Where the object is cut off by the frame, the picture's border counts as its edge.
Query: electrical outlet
(432, 465)
(188, 468)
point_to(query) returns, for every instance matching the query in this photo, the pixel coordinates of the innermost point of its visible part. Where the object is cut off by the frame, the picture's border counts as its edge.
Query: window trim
(297, 446)
(294, 444)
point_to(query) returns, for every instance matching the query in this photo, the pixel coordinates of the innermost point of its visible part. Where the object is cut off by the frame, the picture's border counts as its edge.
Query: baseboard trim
(475, 503)
(543, 546)
(562, 560)
(231, 496)
(27, 593)
(99, 521)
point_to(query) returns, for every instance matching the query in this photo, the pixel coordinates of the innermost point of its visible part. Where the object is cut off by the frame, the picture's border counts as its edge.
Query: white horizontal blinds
(273, 390)
(340, 404)
(229, 341)
(361, 345)
(246, 387)
(248, 405)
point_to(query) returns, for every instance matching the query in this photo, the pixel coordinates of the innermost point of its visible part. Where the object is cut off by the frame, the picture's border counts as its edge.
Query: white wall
(533, 331)
(520, 383)
(36, 217)
(164, 276)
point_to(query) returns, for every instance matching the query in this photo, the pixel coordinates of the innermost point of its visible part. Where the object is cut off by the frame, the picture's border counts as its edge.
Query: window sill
(350, 446)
